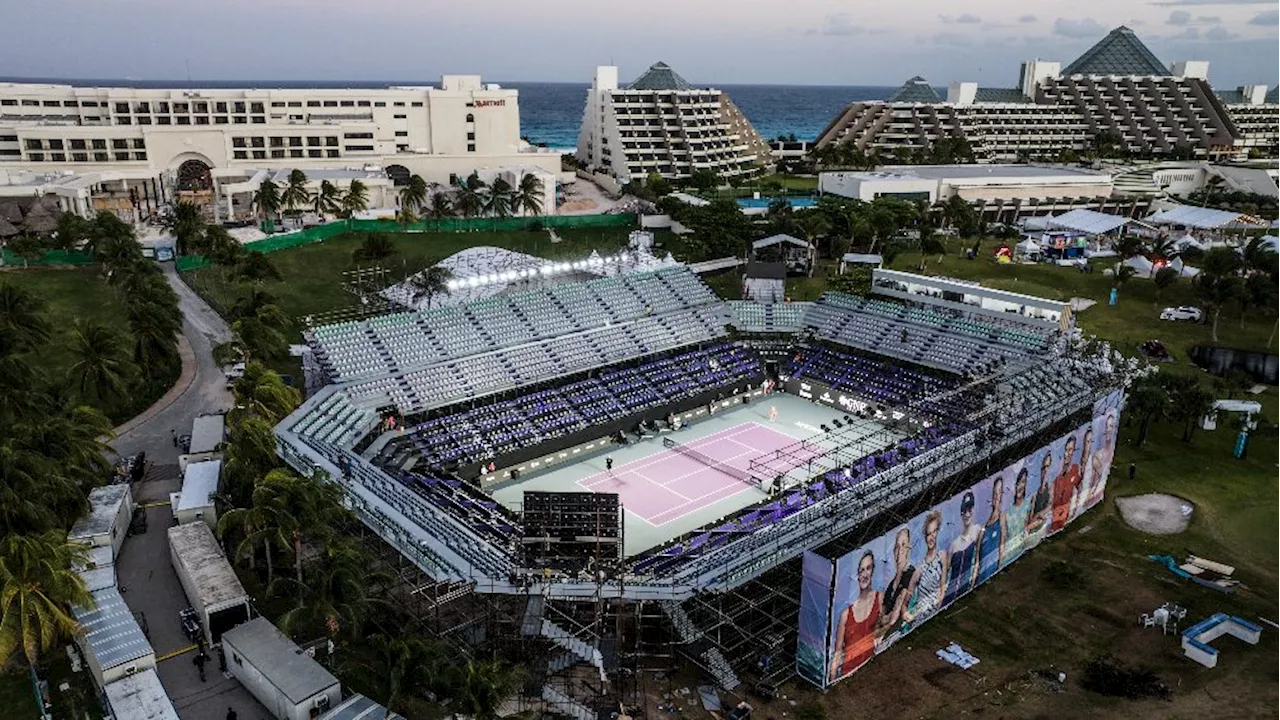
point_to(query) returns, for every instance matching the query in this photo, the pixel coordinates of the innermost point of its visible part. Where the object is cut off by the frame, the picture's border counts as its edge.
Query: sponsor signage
(490, 103)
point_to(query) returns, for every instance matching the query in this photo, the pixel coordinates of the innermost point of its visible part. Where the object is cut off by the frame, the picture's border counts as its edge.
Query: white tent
(1089, 222)
(1028, 248)
(1190, 240)
(1141, 265)
(1035, 224)
(1204, 218)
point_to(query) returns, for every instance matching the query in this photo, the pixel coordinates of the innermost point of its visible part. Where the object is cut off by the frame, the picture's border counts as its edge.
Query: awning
(778, 240)
(1204, 218)
(862, 259)
(1089, 222)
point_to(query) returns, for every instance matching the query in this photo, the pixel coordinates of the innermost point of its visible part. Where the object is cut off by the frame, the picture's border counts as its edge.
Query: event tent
(1090, 222)
(1204, 218)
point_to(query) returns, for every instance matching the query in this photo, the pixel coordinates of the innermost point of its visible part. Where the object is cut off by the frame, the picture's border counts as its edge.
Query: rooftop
(104, 504)
(660, 76)
(195, 548)
(140, 696)
(110, 631)
(1119, 53)
(1001, 95)
(917, 89)
(359, 707)
(279, 659)
(199, 483)
(207, 433)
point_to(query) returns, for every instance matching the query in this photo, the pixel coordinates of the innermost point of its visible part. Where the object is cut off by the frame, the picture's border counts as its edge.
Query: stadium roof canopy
(1086, 221)
(1204, 218)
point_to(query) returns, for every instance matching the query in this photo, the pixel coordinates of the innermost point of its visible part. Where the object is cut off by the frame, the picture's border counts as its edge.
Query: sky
(809, 42)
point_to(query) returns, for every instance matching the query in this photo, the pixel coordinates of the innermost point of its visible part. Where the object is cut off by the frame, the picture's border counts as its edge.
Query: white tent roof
(1204, 218)
(778, 240)
(1037, 223)
(863, 259)
(1029, 246)
(1087, 221)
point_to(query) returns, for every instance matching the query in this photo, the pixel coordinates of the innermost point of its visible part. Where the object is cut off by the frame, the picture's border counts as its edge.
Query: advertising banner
(889, 586)
(815, 608)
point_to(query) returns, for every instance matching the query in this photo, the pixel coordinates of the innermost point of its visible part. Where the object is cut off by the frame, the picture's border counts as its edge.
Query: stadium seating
(767, 317)
(486, 433)
(406, 341)
(873, 379)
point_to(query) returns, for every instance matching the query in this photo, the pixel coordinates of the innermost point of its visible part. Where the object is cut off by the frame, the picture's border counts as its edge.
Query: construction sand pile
(1156, 513)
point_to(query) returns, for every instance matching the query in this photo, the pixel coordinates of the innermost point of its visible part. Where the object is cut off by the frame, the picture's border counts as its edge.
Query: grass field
(71, 295)
(312, 275)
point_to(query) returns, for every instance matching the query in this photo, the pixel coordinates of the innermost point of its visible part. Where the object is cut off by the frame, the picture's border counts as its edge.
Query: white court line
(651, 481)
(652, 458)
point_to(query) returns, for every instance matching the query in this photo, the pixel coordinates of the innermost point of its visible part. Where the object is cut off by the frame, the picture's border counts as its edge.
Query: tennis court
(670, 484)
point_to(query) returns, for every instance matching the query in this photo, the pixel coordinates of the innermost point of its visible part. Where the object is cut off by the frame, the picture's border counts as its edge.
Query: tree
(403, 664)
(337, 593)
(72, 230)
(38, 586)
(1165, 277)
(1257, 292)
(328, 200)
(430, 282)
(256, 267)
(414, 195)
(262, 393)
(356, 199)
(657, 185)
(1124, 273)
(1188, 402)
(1164, 248)
(1221, 261)
(22, 323)
(296, 195)
(262, 524)
(497, 201)
(471, 199)
(1257, 256)
(528, 199)
(1148, 399)
(266, 200)
(482, 687)
(704, 179)
(26, 246)
(101, 369)
(375, 246)
(1215, 292)
(1128, 246)
(223, 249)
(441, 207)
(186, 221)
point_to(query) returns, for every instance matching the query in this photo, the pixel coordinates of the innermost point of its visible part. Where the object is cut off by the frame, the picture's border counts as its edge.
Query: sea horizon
(551, 111)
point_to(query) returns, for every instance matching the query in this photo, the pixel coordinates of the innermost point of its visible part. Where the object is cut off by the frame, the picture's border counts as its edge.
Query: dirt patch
(1156, 513)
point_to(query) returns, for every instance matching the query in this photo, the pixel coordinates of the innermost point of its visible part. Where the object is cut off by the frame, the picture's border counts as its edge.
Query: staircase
(719, 669)
(709, 658)
(564, 705)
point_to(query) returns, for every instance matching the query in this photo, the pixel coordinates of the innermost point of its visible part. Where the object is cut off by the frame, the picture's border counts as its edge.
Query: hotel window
(295, 142)
(239, 120)
(139, 144)
(52, 103)
(331, 103)
(359, 148)
(256, 107)
(33, 144)
(240, 154)
(122, 157)
(119, 144)
(295, 104)
(313, 142)
(398, 104)
(202, 107)
(237, 107)
(417, 104)
(258, 142)
(142, 107)
(362, 103)
(471, 136)
(314, 153)
(36, 157)
(402, 133)
(55, 144)
(163, 120)
(99, 157)
(31, 103)
(11, 151)
(402, 148)
(8, 138)
(471, 118)
(70, 103)
(144, 120)
(313, 103)
(183, 120)
(99, 144)
(259, 120)
(348, 103)
(163, 107)
(331, 141)
(358, 136)
(401, 117)
(277, 154)
(58, 157)
(220, 120)
(332, 153)
(471, 147)
(181, 108)
(295, 153)
(8, 102)
(277, 104)
(259, 154)
(379, 104)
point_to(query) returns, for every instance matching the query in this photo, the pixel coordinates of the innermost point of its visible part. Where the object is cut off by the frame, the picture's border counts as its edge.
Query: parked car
(1183, 312)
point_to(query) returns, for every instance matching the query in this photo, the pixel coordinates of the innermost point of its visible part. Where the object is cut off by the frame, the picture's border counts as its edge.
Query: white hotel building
(661, 124)
(436, 132)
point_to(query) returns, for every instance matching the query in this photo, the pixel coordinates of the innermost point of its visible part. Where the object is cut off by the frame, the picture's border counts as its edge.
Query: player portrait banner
(890, 585)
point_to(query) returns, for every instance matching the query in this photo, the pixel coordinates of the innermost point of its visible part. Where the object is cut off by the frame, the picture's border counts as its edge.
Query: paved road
(143, 570)
(203, 329)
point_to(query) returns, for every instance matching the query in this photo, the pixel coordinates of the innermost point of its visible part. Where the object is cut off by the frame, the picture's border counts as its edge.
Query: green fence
(46, 259)
(333, 229)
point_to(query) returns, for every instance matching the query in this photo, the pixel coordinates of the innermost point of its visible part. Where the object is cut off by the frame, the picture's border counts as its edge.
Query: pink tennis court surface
(666, 486)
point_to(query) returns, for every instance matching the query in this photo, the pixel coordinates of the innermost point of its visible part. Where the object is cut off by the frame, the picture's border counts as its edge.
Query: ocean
(550, 113)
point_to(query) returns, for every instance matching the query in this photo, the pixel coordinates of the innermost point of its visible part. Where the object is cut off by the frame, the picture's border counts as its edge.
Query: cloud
(1171, 3)
(1219, 34)
(839, 24)
(1086, 28)
(1179, 17)
(1026, 18)
(953, 39)
(1269, 18)
(1209, 19)
(1187, 34)
(964, 19)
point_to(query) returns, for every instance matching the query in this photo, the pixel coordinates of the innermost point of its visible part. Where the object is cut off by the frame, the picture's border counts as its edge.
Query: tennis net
(711, 462)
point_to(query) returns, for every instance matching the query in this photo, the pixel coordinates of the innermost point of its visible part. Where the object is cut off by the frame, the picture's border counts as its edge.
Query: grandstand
(438, 421)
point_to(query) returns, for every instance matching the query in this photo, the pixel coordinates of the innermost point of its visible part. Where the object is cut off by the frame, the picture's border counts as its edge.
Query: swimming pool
(804, 201)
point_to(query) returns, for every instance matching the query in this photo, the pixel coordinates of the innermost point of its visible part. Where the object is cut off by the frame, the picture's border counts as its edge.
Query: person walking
(231, 714)
(1133, 470)
(773, 413)
(608, 464)
(199, 661)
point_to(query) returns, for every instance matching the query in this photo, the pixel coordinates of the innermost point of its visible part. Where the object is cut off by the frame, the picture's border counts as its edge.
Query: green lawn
(70, 295)
(312, 275)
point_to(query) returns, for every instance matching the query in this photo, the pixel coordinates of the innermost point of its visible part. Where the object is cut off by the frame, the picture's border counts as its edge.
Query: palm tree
(1164, 248)
(101, 369)
(1148, 399)
(256, 267)
(154, 338)
(1124, 273)
(1259, 257)
(1258, 291)
(405, 217)
(482, 687)
(223, 249)
(337, 594)
(1164, 277)
(356, 199)
(186, 221)
(295, 195)
(38, 586)
(414, 195)
(75, 442)
(403, 663)
(441, 207)
(262, 393)
(328, 201)
(1215, 292)
(22, 324)
(430, 282)
(529, 195)
(259, 525)
(1128, 246)
(499, 198)
(267, 200)
(376, 246)
(471, 196)
(1188, 402)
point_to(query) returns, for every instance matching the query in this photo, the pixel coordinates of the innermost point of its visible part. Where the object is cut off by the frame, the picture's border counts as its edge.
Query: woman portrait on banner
(1080, 499)
(1065, 487)
(855, 634)
(962, 557)
(897, 594)
(931, 579)
(1101, 460)
(1038, 521)
(1018, 516)
(991, 543)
